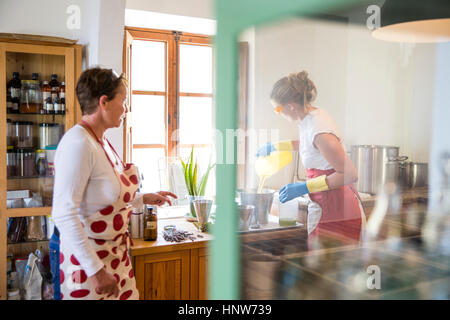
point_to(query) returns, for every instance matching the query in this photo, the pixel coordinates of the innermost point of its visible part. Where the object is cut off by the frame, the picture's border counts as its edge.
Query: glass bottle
(57, 106)
(49, 106)
(46, 92)
(62, 97)
(14, 86)
(150, 224)
(54, 85)
(41, 163)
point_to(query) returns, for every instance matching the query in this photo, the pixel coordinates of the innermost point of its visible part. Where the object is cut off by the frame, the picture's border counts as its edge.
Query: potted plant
(195, 189)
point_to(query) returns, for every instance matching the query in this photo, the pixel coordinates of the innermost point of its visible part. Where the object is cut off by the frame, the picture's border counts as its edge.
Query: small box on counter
(17, 194)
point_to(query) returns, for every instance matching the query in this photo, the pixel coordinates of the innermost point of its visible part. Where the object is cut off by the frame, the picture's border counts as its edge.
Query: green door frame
(233, 16)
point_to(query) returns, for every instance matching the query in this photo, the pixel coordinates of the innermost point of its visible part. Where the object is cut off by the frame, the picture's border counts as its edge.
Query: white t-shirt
(85, 183)
(316, 122)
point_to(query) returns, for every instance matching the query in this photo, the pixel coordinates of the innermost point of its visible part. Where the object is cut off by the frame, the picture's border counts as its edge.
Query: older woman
(329, 170)
(94, 193)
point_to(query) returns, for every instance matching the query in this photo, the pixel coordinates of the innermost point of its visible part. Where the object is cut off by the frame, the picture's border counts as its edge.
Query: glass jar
(288, 213)
(41, 163)
(24, 134)
(26, 166)
(30, 97)
(11, 162)
(10, 133)
(49, 134)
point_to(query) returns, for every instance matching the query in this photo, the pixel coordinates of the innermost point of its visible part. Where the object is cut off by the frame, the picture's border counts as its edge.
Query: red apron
(107, 230)
(341, 214)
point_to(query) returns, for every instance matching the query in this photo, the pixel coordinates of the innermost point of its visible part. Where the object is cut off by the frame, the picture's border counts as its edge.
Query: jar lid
(45, 82)
(25, 150)
(25, 123)
(40, 151)
(10, 148)
(13, 292)
(45, 124)
(51, 147)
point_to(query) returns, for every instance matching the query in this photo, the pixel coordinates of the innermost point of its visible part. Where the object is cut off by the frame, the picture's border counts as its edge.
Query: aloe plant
(191, 169)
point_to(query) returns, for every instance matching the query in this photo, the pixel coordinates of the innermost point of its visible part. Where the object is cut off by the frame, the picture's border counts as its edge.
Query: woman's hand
(105, 283)
(159, 198)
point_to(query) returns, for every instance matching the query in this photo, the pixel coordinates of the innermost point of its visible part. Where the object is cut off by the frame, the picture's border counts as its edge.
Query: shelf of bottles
(35, 122)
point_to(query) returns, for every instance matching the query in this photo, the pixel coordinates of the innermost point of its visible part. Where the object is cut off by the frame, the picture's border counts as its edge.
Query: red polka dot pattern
(114, 250)
(127, 197)
(124, 180)
(122, 283)
(134, 179)
(98, 226)
(129, 214)
(108, 210)
(118, 222)
(79, 276)
(74, 260)
(127, 263)
(117, 277)
(131, 274)
(61, 276)
(79, 293)
(115, 263)
(61, 258)
(102, 254)
(125, 295)
(99, 242)
(125, 255)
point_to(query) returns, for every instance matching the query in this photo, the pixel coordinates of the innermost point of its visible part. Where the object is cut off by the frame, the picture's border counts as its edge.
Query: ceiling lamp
(414, 21)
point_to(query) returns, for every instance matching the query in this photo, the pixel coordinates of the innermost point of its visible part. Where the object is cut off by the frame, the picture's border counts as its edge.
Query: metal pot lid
(373, 146)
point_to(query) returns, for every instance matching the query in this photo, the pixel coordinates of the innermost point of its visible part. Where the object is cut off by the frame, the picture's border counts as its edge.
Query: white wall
(378, 92)
(100, 32)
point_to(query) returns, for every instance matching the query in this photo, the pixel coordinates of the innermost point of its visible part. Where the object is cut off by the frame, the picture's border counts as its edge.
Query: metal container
(376, 165)
(245, 213)
(49, 134)
(202, 209)
(262, 202)
(415, 174)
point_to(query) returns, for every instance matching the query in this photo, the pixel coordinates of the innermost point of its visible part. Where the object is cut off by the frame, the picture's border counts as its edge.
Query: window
(171, 107)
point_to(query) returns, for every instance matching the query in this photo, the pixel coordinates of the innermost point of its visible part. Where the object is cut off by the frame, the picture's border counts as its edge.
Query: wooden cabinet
(46, 56)
(163, 276)
(175, 275)
(199, 274)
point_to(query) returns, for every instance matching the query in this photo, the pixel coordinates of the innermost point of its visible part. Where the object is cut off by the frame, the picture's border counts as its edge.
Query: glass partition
(333, 139)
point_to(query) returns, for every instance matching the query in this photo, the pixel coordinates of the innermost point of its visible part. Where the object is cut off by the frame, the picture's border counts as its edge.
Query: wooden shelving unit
(46, 56)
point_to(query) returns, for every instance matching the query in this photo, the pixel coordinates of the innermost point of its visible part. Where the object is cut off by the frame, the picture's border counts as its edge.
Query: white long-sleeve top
(85, 183)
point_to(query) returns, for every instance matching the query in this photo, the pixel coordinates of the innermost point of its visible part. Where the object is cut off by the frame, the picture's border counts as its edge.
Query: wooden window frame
(172, 39)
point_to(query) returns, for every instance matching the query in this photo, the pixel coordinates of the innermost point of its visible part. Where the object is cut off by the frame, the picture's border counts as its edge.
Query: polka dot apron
(107, 230)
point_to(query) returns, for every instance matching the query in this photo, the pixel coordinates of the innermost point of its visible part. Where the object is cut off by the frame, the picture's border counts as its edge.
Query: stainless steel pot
(415, 174)
(262, 202)
(375, 165)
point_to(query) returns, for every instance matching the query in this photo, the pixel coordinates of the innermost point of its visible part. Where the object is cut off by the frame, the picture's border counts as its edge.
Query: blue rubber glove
(292, 191)
(265, 150)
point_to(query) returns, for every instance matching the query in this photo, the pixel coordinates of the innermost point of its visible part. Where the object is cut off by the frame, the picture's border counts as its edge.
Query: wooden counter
(142, 247)
(172, 270)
